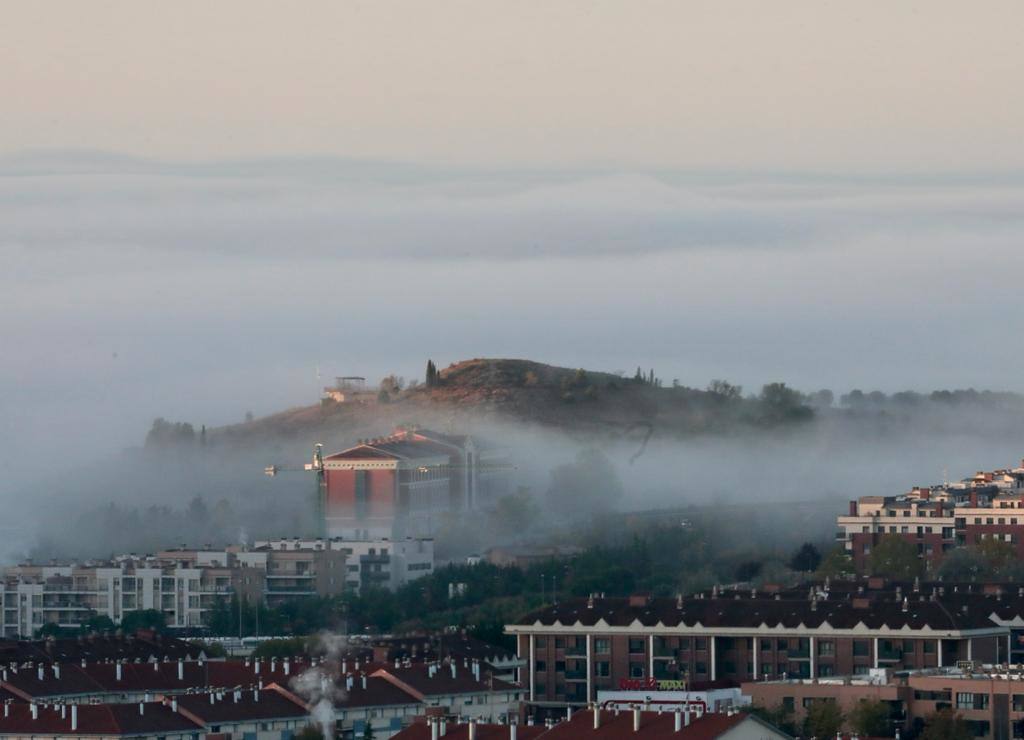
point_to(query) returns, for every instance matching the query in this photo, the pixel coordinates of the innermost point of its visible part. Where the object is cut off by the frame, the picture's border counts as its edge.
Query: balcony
(892, 655)
(576, 675)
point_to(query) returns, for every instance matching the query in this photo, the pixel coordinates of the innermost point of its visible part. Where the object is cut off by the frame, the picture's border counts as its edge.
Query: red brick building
(579, 647)
(405, 484)
(936, 519)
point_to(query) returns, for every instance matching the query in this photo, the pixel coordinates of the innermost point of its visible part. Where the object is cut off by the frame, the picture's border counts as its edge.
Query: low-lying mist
(796, 476)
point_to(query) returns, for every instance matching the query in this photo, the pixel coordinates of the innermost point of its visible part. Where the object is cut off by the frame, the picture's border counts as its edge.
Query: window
(700, 667)
(766, 644)
(684, 643)
(966, 700)
(636, 670)
(541, 666)
(861, 648)
(826, 648)
(929, 647)
(783, 644)
(788, 703)
(602, 645)
(560, 666)
(602, 668)
(782, 668)
(559, 643)
(636, 645)
(700, 643)
(826, 669)
(909, 646)
(540, 642)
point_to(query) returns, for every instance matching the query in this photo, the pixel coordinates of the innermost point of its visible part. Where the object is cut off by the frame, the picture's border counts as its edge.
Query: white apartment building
(384, 563)
(182, 584)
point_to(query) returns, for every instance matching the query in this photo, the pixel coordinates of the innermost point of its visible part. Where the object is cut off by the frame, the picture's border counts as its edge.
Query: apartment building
(185, 585)
(582, 646)
(989, 505)
(990, 699)
(381, 563)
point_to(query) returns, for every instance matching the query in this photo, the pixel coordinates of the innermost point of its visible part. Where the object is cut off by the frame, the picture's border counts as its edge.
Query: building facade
(583, 646)
(936, 519)
(408, 483)
(185, 585)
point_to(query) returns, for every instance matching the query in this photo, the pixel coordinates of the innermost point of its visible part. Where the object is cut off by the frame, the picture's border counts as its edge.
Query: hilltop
(575, 401)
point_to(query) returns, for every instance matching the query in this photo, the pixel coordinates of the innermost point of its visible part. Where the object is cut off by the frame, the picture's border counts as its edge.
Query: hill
(575, 401)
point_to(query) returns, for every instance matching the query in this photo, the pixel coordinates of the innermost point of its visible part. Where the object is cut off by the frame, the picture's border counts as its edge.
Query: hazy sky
(826, 193)
(930, 85)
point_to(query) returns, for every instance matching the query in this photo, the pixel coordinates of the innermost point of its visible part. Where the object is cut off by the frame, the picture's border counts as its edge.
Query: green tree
(806, 559)
(585, 486)
(780, 403)
(945, 724)
(309, 732)
(824, 719)
(143, 619)
(98, 623)
(836, 563)
(514, 514)
(870, 718)
(895, 557)
(777, 716)
(211, 649)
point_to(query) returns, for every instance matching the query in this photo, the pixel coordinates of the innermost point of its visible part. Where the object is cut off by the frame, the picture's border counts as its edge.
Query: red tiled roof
(378, 692)
(95, 719)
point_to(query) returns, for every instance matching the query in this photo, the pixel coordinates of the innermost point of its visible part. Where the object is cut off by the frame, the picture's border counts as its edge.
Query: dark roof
(418, 678)
(94, 648)
(740, 611)
(653, 726)
(378, 692)
(95, 719)
(455, 731)
(101, 678)
(241, 706)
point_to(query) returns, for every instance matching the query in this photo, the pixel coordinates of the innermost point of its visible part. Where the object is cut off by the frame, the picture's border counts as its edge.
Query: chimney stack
(117, 670)
(597, 717)
(636, 719)
(74, 717)
(678, 723)
(40, 672)
(35, 710)
(433, 729)
(472, 729)
(181, 669)
(142, 708)
(512, 732)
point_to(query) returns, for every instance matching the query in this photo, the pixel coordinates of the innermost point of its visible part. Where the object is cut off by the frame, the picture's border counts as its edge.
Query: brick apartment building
(989, 505)
(991, 700)
(405, 484)
(576, 648)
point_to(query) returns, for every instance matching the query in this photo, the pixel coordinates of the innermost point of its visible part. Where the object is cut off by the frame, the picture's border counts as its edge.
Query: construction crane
(320, 494)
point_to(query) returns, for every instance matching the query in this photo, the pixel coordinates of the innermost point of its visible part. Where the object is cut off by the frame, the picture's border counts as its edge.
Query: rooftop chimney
(56, 670)
(433, 729)
(636, 719)
(35, 710)
(74, 717)
(117, 670)
(678, 721)
(40, 672)
(512, 732)
(142, 708)
(181, 669)
(472, 729)
(597, 717)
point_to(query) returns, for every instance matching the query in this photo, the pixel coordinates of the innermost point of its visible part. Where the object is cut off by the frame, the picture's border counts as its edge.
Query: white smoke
(316, 684)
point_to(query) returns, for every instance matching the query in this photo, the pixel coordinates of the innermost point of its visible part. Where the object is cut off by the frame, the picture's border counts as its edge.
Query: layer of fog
(133, 290)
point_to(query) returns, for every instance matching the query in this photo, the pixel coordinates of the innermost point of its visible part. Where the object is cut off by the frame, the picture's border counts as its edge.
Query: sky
(201, 204)
(806, 84)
